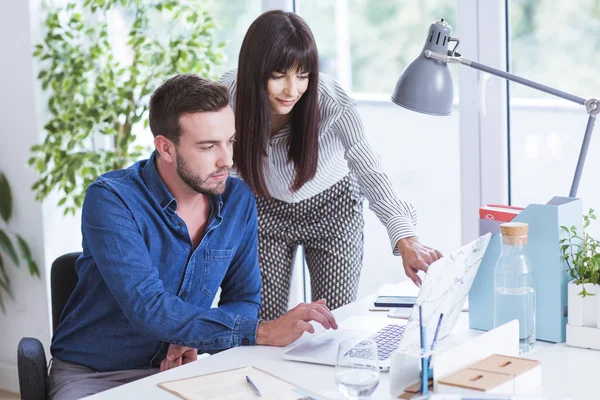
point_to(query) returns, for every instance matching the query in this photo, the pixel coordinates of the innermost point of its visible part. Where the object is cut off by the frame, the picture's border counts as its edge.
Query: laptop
(444, 290)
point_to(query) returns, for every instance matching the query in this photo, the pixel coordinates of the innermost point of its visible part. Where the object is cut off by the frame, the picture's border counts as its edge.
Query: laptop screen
(445, 290)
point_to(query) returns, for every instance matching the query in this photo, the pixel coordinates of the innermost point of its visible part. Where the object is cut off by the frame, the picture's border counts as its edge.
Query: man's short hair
(181, 95)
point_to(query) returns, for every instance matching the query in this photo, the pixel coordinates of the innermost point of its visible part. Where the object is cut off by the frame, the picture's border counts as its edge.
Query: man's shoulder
(238, 191)
(127, 185)
(121, 179)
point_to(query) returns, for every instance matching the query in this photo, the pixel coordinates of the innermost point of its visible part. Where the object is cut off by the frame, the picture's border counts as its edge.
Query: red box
(495, 212)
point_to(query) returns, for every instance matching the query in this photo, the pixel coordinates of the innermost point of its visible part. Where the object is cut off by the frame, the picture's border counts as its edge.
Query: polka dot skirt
(330, 228)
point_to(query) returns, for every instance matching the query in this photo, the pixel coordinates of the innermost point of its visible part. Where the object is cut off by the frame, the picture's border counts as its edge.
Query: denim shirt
(142, 286)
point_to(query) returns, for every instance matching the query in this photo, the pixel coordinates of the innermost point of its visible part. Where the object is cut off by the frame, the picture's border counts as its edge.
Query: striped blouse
(343, 148)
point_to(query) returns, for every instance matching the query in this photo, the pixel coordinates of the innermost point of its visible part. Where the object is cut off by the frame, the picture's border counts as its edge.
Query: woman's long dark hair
(277, 41)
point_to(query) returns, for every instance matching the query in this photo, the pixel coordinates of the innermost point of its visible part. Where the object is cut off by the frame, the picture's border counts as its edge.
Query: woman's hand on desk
(416, 257)
(178, 355)
(289, 327)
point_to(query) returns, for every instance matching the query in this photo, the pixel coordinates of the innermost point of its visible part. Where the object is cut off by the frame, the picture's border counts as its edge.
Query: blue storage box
(550, 274)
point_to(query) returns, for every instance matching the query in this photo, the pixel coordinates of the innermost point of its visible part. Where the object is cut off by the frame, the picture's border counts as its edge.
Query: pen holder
(406, 370)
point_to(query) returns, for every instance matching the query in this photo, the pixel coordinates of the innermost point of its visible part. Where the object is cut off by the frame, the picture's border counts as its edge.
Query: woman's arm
(398, 216)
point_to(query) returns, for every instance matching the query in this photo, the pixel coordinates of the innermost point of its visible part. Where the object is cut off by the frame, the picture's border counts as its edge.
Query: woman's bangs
(296, 59)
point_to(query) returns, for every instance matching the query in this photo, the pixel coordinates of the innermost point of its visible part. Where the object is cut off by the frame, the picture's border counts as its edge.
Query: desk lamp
(426, 85)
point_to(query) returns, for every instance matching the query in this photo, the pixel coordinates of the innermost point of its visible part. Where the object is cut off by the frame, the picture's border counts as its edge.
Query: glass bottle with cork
(514, 292)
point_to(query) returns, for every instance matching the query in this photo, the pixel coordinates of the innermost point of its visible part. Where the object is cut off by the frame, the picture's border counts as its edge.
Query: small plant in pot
(581, 252)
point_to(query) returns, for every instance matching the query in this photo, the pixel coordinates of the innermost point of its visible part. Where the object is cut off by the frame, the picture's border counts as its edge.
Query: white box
(584, 311)
(583, 336)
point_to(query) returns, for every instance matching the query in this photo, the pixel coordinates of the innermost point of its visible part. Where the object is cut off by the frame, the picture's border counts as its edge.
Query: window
(546, 132)
(233, 20)
(365, 44)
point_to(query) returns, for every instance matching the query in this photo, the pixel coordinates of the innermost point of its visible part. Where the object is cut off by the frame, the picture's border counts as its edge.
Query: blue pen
(435, 336)
(253, 386)
(424, 361)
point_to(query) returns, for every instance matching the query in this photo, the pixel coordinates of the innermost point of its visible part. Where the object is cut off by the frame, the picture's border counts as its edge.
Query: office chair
(31, 358)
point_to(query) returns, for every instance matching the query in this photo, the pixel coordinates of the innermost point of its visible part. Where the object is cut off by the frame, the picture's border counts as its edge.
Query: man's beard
(196, 182)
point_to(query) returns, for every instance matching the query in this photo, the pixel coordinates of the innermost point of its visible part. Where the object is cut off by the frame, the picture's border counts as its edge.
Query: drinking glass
(357, 368)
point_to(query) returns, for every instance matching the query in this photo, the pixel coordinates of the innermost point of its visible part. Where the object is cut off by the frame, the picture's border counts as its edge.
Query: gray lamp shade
(426, 84)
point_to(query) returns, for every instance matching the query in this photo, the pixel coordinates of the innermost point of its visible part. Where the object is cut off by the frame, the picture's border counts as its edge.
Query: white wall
(420, 154)
(48, 233)
(27, 315)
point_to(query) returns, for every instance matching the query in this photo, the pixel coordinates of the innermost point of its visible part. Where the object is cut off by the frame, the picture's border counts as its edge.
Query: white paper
(232, 385)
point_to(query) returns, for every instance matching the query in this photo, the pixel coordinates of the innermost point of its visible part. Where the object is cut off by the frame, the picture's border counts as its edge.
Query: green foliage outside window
(95, 95)
(568, 31)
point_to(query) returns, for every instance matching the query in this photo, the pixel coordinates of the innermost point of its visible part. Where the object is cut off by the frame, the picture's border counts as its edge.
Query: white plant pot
(583, 336)
(584, 311)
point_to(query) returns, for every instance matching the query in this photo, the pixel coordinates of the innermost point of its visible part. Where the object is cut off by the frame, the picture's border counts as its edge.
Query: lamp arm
(583, 152)
(505, 75)
(592, 105)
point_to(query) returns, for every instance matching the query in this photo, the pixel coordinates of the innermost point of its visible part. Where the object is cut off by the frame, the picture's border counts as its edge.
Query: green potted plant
(582, 256)
(8, 239)
(95, 95)
(581, 252)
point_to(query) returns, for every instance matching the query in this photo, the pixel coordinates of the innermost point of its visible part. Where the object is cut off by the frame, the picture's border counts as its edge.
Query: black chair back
(63, 279)
(31, 358)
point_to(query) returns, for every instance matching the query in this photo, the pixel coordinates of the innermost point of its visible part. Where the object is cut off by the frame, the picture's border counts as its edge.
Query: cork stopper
(514, 233)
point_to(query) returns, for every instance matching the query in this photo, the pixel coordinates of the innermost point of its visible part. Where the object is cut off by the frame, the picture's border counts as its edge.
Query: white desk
(567, 371)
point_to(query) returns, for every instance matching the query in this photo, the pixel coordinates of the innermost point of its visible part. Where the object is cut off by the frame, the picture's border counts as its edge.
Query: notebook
(232, 385)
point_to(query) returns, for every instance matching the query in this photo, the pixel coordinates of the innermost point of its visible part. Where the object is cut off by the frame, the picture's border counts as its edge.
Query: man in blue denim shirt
(159, 239)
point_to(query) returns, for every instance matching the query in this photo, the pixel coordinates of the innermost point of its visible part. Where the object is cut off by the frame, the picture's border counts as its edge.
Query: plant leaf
(24, 247)
(33, 268)
(2, 304)
(3, 274)
(7, 247)
(595, 276)
(6, 287)
(4, 284)
(5, 199)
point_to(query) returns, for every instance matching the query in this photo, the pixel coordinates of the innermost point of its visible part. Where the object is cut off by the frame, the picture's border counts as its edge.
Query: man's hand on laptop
(289, 327)
(416, 257)
(178, 355)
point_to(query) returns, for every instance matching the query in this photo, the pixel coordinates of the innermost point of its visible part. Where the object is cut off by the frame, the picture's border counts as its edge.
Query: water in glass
(357, 369)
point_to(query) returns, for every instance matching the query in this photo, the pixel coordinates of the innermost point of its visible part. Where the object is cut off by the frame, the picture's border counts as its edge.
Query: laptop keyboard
(387, 341)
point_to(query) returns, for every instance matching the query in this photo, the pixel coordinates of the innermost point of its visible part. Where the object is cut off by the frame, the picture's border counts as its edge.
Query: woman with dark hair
(301, 148)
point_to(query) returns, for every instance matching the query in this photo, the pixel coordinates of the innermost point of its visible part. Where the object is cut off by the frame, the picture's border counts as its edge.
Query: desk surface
(566, 371)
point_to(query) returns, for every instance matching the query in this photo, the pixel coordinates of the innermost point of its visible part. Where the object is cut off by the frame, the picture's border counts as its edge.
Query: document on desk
(233, 385)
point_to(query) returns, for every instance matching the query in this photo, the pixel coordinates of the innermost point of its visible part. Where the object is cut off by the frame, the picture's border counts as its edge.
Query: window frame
(484, 144)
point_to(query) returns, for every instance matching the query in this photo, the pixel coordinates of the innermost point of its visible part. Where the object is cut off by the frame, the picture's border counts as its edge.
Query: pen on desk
(378, 309)
(253, 386)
